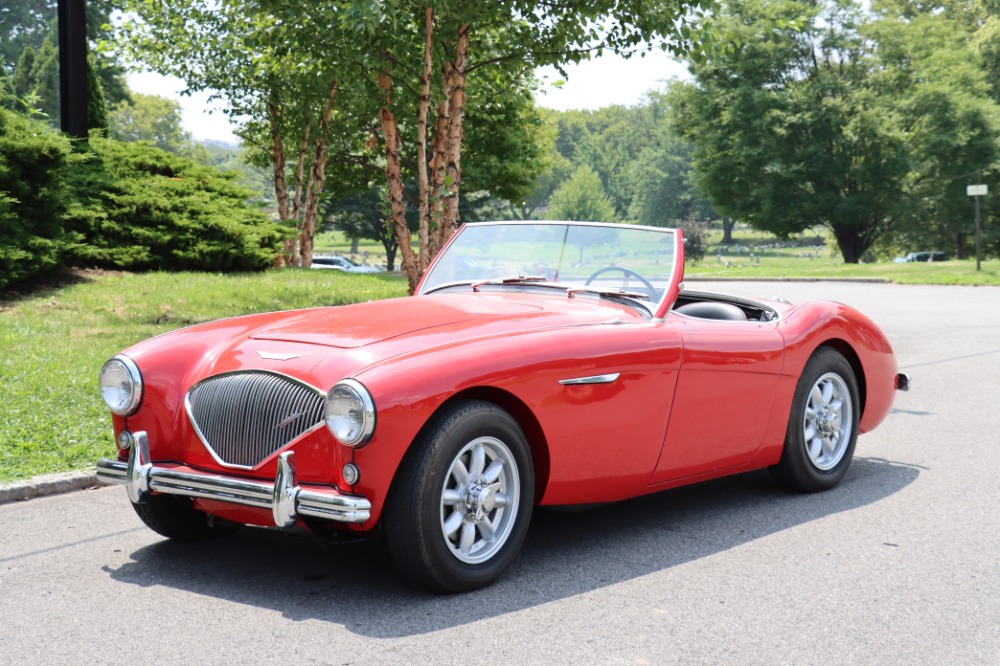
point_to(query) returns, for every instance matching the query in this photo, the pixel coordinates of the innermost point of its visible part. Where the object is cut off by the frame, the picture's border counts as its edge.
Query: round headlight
(350, 413)
(121, 385)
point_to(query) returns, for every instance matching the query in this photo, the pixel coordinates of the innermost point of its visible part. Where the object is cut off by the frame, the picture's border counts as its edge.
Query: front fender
(603, 439)
(814, 324)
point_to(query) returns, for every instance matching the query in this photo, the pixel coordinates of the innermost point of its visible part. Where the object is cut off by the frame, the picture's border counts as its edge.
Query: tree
(97, 108)
(45, 79)
(22, 81)
(665, 193)
(6, 95)
(608, 140)
(151, 118)
(33, 198)
(362, 215)
(28, 23)
(554, 169)
(327, 76)
(954, 121)
(281, 64)
(500, 40)
(816, 112)
(23, 24)
(503, 155)
(790, 127)
(140, 208)
(582, 198)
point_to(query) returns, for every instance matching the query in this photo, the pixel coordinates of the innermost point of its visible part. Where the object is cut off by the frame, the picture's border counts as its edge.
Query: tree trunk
(390, 256)
(394, 183)
(961, 249)
(851, 242)
(456, 102)
(438, 163)
(278, 164)
(300, 169)
(317, 177)
(422, 111)
(728, 224)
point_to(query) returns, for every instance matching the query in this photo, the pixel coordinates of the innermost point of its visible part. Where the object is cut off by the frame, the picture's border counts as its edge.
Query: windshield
(609, 257)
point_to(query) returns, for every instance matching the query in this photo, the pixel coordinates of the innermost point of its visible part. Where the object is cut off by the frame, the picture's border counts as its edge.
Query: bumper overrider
(285, 498)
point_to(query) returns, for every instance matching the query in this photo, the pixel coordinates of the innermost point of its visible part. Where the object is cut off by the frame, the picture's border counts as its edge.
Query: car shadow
(566, 553)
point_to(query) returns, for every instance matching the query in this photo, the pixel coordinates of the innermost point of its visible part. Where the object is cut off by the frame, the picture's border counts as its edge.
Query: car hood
(325, 344)
(456, 315)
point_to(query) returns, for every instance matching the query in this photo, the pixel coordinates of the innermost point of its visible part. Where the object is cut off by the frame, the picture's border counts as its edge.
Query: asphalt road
(898, 565)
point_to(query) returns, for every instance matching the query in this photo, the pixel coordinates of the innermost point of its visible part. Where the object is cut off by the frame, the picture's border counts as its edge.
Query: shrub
(33, 200)
(695, 238)
(140, 208)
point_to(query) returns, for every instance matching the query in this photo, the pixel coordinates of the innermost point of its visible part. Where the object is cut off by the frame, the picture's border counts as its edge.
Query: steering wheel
(628, 272)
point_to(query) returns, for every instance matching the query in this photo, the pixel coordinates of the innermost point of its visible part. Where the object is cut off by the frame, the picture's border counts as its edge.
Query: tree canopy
(821, 113)
(353, 78)
(581, 197)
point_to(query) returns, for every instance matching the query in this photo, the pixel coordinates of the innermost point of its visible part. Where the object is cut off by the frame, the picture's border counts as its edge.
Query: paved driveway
(897, 565)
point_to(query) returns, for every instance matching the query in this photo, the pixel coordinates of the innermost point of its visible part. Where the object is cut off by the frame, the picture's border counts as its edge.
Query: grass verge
(784, 267)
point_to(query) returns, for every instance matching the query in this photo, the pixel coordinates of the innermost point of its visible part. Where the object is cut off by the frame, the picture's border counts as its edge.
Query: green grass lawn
(335, 242)
(788, 266)
(817, 261)
(53, 343)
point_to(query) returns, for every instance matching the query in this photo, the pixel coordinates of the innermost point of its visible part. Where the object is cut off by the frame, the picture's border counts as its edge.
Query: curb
(45, 486)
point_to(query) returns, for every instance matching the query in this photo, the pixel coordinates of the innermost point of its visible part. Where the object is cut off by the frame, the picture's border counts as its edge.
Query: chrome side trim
(595, 379)
(285, 498)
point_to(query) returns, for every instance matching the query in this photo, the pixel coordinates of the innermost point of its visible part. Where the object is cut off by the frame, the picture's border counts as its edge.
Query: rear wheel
(823, 426)
(461, 503)
(177, 519)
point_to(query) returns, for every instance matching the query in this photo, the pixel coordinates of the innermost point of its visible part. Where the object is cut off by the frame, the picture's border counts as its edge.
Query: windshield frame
(658, 309)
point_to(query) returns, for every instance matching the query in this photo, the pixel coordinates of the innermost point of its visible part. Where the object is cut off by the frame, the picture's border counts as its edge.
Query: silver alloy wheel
(828, 421)
(479, 500)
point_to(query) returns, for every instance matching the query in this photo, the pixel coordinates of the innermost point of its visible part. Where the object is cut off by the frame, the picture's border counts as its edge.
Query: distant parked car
(923, 256)
(343, 264)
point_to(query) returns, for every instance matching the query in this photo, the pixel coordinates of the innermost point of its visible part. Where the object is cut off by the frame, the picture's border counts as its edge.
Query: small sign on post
(977, 191)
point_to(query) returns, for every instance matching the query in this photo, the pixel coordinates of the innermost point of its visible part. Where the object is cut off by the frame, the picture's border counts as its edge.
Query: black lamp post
(73, 67)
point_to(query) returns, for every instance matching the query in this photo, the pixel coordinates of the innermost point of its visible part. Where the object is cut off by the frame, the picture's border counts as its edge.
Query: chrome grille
(243, 417)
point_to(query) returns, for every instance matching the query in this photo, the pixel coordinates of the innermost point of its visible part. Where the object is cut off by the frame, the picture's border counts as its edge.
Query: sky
(592, 84)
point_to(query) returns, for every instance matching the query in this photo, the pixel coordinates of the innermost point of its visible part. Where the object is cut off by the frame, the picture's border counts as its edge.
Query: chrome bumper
(285, 498)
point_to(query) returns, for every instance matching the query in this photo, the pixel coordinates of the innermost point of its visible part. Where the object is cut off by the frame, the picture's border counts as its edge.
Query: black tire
(825, 406)
(440, 542)
(177, 519)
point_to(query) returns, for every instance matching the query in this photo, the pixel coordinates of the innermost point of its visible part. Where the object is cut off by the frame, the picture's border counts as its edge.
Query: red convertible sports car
(540, 363)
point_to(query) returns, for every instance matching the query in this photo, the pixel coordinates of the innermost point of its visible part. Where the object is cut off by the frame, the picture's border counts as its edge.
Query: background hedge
(109, 204)
(33, 198)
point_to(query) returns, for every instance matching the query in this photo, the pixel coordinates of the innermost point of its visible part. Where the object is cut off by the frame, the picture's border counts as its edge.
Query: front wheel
(177, 519)
(462, 499)
(823, 426)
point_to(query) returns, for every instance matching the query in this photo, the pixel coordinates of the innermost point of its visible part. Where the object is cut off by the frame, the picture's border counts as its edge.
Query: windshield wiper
(620, 293)
(570, 290)
(510, 279)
